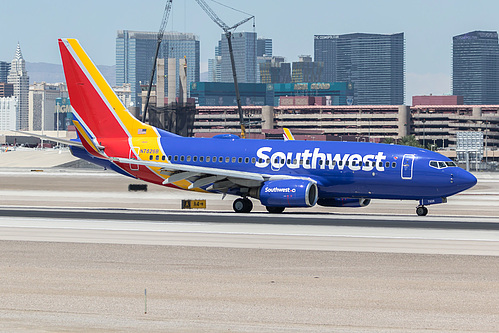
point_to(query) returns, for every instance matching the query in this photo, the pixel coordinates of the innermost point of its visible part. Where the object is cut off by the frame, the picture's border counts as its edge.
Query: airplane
(278, 173)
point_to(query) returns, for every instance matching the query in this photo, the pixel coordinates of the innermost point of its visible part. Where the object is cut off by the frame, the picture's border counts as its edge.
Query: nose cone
(463, 180)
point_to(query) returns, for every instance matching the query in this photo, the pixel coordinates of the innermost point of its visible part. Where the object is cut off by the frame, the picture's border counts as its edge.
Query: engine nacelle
(343, 202)
(288, 193)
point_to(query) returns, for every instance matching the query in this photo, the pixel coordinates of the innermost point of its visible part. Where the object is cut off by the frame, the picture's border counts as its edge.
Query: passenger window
(333, 163)
(157, 157)
(283, 161)
(340, 163)
(150, 157)
(295, 161)
(320, 162)
(253, 160)
(220, 159)
(246, 160)
(268, 160)
(346, 163)
(227, 159)
(276, 161)
(169, 157)
(176, 158)
(188, 158)
(260, 160)
(214, 159)
(163, 157)
(394, 165)
(387, 164)
(233, 160)
(194, 158)
(380, 164)
(181, 158)
(240, 160)
(207, 158)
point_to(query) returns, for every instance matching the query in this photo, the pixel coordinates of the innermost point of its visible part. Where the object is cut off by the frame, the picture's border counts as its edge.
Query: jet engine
(287, 193)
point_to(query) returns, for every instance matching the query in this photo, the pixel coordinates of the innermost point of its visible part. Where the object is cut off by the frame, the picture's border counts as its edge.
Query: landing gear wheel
(422, 211)
(242, 205)
(275, 210)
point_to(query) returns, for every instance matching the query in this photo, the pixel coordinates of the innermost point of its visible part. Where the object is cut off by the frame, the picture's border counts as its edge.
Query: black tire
(242, 205)
(422, 211)
(275, 210)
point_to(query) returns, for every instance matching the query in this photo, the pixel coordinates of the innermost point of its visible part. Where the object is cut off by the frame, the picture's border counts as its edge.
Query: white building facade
(8, 111)
(18, 76)
(42, 105)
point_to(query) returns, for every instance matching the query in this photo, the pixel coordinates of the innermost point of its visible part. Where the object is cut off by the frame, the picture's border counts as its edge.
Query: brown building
(431, 124)
(437, 100)
(6, 89)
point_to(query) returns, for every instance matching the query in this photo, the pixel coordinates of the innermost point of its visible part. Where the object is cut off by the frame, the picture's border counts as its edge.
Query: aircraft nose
(464, 179)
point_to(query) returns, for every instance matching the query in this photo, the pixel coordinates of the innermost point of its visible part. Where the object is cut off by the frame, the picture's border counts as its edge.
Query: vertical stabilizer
(96, 106)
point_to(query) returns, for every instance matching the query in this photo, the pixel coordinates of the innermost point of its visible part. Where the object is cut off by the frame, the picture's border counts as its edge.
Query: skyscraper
(263, 47)
(306, 70)
(475, 67)
(244, 46)
(373, 62)
(135, 52)
(18, 77)
(4, 71)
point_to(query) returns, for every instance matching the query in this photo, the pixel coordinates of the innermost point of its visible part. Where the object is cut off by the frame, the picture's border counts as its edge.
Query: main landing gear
(242, 205)
(422, 211)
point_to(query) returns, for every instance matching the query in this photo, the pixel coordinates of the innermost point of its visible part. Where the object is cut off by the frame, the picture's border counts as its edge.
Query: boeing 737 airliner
(279, 174)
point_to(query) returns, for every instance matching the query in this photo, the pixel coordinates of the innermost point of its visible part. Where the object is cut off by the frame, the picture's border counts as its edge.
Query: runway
(478, 236)
(75, 259)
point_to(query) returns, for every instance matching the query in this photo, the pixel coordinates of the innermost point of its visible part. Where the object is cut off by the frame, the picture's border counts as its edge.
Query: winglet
(287, 134)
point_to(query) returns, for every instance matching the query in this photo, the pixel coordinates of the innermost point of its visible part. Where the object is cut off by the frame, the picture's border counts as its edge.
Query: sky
(428, 25)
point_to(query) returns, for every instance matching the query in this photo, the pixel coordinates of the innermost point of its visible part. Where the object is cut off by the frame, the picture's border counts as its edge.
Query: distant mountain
(52, 73)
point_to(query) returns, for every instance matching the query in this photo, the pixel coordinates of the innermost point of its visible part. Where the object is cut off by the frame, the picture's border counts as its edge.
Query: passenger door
(407, 166)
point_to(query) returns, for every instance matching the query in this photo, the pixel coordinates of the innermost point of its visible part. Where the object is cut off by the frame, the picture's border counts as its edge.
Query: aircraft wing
(200, 176)
(49, 138)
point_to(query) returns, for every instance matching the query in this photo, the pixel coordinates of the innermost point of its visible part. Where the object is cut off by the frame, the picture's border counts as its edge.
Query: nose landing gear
(422, 211)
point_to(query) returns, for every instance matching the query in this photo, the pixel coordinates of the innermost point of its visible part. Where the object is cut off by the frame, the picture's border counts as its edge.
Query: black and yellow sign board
(193, 204)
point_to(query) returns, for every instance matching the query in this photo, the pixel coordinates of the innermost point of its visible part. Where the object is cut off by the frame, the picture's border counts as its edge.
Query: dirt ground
(70, 287)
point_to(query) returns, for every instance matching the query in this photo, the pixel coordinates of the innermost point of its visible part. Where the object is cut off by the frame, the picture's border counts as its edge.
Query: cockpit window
(442, 164)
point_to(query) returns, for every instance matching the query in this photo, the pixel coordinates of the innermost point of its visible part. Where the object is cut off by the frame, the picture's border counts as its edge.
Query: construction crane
(228, 34)
(166, 13)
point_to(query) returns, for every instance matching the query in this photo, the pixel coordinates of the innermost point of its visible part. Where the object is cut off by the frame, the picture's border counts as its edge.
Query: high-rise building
(373, 62)
(263, 47)
(135, 51)
(475, 67)
(42, 105)
(244, 48)
(306, 70)
(8, 113)
(6, 89)
(274, 70)
(4, 71)
(18, 77)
